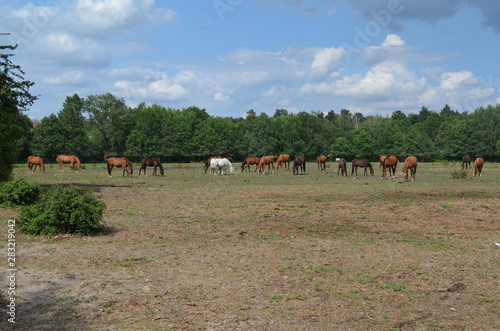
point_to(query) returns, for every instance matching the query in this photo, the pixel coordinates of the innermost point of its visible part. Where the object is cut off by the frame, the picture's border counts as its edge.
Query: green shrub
(18, 193)
(70, 209)
(459, 174)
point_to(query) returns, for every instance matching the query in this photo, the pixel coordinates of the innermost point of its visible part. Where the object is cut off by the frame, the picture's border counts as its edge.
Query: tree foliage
(14, 99)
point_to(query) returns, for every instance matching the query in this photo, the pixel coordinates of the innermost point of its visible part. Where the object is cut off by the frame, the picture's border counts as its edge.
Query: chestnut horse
(478, 166)
(151, 162)
(35, 161)
(390, 162)
(266, 160)
(411, 165)
(362, 163)
(284, 161)
(381, 159)
(250, 161)
(321, 160)
(120, 162)
(466, 162)
(71, 159)
(342, 167)
(299, 161)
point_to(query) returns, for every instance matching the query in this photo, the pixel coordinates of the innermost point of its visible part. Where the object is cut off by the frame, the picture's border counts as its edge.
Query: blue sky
(229, 56)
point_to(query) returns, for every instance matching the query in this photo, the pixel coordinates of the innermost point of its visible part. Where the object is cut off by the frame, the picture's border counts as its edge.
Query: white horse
(220, 165)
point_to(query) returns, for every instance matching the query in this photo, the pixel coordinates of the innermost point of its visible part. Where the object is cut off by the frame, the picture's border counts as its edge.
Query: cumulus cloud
(67, 77)
(160, 89)
(326, 62)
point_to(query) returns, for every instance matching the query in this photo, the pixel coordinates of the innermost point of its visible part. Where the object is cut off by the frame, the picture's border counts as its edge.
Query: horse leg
(110, 167)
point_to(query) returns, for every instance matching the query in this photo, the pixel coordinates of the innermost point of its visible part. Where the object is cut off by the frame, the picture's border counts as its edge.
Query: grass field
(268, 252)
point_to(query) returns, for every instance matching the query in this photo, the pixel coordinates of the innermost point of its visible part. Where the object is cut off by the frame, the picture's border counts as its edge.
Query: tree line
(103, 125)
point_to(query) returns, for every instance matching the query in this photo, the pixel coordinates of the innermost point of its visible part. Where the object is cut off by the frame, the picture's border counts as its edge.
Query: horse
(220, 165)
(381, 159)
(478, 166)
(266, 160)
(390, 162)
(284, 161)
(207, 162)
(71, 159)
(299, 161)
(342, 167)
(120, 162)
(249, 161)
(362, 163)
(151, 162)
(35, 161)
(411, 165)
(466, 162)
(321, 160)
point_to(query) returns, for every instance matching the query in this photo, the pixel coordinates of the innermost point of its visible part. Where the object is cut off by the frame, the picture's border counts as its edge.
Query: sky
(229, 56)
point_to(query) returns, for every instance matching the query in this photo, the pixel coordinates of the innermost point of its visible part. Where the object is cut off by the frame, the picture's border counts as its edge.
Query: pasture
(315, 251)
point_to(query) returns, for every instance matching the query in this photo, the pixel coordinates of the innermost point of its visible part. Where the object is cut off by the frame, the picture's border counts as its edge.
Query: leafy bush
(64, 210)
(18, 193)
(459, 174)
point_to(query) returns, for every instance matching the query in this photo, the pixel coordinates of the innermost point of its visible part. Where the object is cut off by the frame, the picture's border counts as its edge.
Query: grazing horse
(207, 162)
(299, 161)
(151, 162)
(466, 162)
(411, 165)
(248, 162)
(119, 162)
(321, 160)
(71, 159)
(220, 165)
(381, 159)
(266, 160)
(362, 163)
(342, 167)
(35, 161)
(390, 162)
(284, 161)
(478, 166)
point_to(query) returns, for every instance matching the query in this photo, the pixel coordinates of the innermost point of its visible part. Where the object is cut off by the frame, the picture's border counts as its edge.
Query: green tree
(14, 99)
(71, 117)
(484, 131)
(110, 123)
(49, 138)
(452, 140)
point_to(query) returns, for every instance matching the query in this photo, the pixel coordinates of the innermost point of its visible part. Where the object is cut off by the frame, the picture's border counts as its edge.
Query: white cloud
(453, 80)
(220, 97)
(393, 40)
(67, 77)
(326, 62)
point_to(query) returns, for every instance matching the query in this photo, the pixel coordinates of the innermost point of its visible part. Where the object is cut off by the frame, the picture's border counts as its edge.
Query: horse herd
(220, 165)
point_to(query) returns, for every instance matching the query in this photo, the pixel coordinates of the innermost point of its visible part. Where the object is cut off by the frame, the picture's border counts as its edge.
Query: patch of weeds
(300, 226)
(318, 230)
(484, 297)
(284, 245)
(272, 311)
(395, 287)
(368, 279)
(276, 298)
(244, 308)
(459, 174)
(296, 297)
(132, 261)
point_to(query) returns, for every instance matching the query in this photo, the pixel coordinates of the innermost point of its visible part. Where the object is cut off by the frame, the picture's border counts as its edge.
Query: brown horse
(478, 166)
(411, 165)
(151, 162)
(120, 162)
(71, 159)
(321, 160)
(342, 167)
(381, 159)
(250, 161)
(35, 161)
(466, 162)
(299, 162)
(362, 163)
(266, 160)
(390, 162)
(284, 161)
